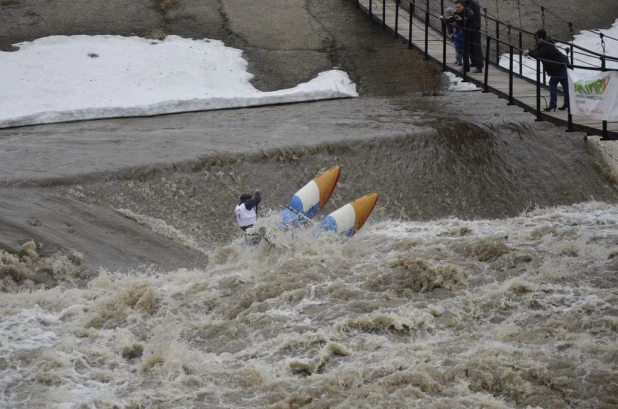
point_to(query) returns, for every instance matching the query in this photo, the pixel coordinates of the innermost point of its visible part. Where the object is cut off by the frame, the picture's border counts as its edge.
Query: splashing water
(507, 313)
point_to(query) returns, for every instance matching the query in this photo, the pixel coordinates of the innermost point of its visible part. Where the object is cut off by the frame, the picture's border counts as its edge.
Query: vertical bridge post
(497, 42)
(510, 74)
(410, 29)
(605, 134)
(427, 30)
(396, 19)
(538, 90)
(486, 82)
(444, 31)
(521, 54)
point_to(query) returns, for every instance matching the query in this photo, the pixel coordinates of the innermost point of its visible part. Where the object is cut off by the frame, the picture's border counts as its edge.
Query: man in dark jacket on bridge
(468, 17)
(477, 47)
(555, 65)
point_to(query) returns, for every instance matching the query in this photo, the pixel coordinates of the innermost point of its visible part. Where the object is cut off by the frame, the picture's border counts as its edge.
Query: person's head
(459, 6)
(244, 197)
(455, 27)
(448, 12)
(540, 36)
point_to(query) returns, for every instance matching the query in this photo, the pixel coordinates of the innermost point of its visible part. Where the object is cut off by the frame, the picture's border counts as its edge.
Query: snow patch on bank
(456, 84)
(68, 78)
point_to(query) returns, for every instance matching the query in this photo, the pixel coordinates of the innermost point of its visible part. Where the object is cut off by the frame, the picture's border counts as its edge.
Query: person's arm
(470, 13)
(470, 18)
(477, 13)
(540, 52)
(254, 201)
(528, 53)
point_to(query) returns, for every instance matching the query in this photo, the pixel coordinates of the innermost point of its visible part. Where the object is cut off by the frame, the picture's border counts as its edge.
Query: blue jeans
(554, 80)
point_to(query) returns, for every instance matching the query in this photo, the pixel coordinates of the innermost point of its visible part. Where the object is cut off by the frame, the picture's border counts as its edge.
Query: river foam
(506, 313)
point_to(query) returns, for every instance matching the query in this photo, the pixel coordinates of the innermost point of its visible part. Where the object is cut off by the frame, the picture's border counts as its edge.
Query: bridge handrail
(603, 58)
(556, 40)
(487, 16)
(543, 10)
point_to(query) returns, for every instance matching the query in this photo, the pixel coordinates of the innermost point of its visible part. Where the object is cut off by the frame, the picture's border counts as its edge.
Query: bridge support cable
(557, 16)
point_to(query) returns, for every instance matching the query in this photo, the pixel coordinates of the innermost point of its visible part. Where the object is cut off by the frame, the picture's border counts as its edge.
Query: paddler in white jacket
(246, 210)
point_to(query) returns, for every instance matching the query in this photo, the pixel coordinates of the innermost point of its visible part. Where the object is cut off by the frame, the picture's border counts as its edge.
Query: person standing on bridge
(477, 47)
(448, 15)
(555, 65)
(465, 18)
(458, 42)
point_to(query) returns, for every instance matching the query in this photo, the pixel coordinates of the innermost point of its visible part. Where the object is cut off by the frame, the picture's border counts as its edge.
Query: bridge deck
(524, 90)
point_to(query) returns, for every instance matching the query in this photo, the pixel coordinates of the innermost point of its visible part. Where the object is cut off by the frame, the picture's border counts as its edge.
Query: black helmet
(244, 197)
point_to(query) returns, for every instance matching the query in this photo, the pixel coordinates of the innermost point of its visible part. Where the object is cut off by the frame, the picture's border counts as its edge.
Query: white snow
(65, 78)
(456, 84)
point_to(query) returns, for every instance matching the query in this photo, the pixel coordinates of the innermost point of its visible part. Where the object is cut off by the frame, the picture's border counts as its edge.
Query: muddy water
(508, 313)
(486, 276)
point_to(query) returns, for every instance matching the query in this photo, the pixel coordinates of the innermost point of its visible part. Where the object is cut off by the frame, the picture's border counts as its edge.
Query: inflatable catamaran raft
(312, 197)
(348, 219)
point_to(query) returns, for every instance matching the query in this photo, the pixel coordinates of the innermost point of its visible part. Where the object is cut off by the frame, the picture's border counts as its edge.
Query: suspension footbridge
(506, 71)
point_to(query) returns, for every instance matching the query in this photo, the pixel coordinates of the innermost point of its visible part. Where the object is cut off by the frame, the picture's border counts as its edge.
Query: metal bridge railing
(428, 13)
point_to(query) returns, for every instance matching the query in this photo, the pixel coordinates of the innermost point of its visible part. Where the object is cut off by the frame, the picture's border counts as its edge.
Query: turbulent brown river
(486, 276)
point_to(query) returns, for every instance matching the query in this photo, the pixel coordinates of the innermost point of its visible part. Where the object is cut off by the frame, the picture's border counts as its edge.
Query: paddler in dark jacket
(554, 64)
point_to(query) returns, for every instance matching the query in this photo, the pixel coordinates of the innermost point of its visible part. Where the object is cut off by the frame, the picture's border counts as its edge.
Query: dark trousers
(562, 79)
(477, 50)
(474, 50)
